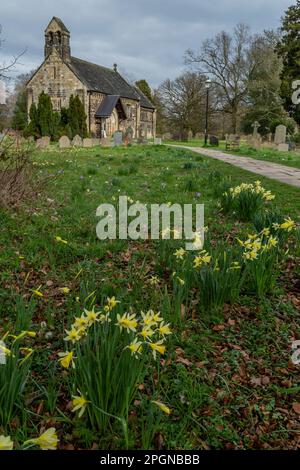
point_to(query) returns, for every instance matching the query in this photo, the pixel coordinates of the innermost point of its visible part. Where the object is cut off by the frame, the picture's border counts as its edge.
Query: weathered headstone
(214, 141)
(64, 142)
(77, 141)
(190, 135)
(118, 138)
(43, 142)
(283, 147)
(87, 142)
(106, 142)
(157, 141)
(129, 134)
(95, 142)
(255, 126)
(280, 134)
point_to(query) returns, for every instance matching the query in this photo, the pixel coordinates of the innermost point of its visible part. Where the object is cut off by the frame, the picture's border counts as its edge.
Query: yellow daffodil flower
(64, 290)
(162, 407)
(127, 321)
(135, 347)
(66, 359)
(91, 316)
(164, 329)
(288, 224)
(6, 443)
(46, 441)
(79, 403)
(60, 240)
(73, 335)
(179, 254)
(157, 347)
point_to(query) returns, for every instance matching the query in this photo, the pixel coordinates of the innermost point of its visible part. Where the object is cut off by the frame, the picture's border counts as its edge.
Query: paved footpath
(282, 173)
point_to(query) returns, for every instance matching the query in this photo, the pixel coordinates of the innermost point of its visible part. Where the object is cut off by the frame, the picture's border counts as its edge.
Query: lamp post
(207, 86)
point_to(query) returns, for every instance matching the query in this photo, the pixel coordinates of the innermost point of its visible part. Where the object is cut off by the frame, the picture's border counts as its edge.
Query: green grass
(291, 159)
(228, 380)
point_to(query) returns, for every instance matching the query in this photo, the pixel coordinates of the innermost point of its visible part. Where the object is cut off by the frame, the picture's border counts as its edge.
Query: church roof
(107, 105)
(60, 24)
(144, 101)
(102, 79)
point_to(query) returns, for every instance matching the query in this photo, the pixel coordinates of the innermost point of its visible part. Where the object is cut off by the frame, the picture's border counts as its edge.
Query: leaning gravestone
(157, 141)
(87, 142)
(118, 138)
(213, 141)
(64, 142)
(43, 142)
(77, 141)
(280, 134)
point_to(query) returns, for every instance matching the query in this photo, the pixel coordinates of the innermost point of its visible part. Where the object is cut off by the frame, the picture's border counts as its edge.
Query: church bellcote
(57, 37)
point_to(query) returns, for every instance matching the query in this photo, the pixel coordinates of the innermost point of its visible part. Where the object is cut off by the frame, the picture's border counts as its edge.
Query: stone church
(110, 102)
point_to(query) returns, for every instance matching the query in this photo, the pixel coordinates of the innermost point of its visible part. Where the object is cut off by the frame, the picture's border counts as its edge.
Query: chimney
(115, 67)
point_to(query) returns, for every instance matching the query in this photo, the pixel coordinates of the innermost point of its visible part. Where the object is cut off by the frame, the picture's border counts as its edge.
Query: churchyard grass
(224, 380)
(266, 154)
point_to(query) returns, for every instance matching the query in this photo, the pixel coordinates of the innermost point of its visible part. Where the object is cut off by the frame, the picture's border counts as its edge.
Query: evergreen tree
(288, 49)
(145, 88)
(45, 115)
(77, 117)
(20, 118)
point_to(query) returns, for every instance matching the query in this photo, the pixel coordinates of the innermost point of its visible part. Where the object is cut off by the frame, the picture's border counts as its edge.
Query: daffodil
(157, 347)
(66, 359)
(154, 281)
(60, 240)
(127, 321)
(37, 292)
(64, 290)
(73, 335)
(91, 316)
(162, 407)
(104, 318)
(179, 254)
(79, 403)
(147, 332)
(181, 281)
(135, 347)
(46, 441)
(288, 224)
(112, 303)
(164, 329)
(80, 322)
(6, 443)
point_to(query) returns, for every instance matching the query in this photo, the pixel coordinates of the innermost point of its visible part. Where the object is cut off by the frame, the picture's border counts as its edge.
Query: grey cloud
(147, 39)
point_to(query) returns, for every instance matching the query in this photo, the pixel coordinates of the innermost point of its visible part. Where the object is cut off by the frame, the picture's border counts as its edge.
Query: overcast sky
(147, 38)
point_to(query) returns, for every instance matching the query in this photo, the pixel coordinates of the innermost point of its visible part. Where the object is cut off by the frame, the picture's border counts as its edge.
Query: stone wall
(56, 79)
(148, 122)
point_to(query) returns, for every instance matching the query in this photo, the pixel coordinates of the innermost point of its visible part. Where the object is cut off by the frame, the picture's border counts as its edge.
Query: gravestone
(129, 134)
(64, 142)
(280, 134)
(190, 135)
(95, 142)
(106, 142)
(214, 141)
(118, 138)
(43, 142)
(283, 147)
(157, 141)
(77, 141)
(255, 126)
(87, 143)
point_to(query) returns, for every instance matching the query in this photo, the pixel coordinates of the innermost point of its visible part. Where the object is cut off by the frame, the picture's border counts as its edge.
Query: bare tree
(183, 101)
(5, 68)
(230, 61)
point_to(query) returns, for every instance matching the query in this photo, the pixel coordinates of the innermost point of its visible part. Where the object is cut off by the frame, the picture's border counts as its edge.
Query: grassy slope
(208, 378)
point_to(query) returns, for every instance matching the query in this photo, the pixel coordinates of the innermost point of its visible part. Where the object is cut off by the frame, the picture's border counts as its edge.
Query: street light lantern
(207, 86)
